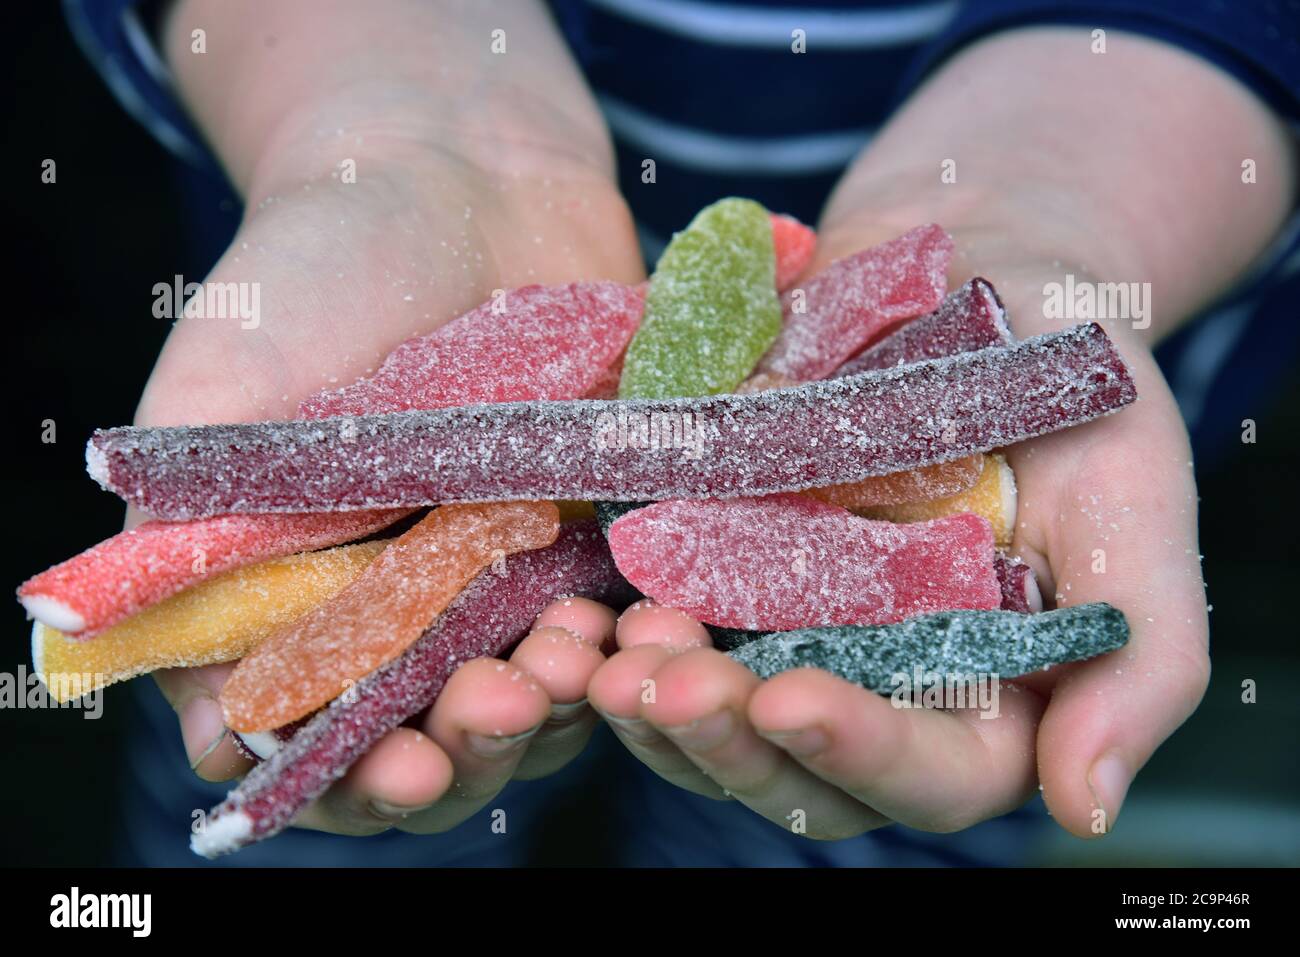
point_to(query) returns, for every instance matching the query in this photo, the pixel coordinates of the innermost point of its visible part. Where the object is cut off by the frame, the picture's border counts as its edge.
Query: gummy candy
(993, 496)
(819, 434)
(956, 643)
(787, 561)
(968, 319)
(375, 619)
(711, 310)
(794, 245)
(487, 618)
(856, 300)
(927, 482)
(1019, 585)
(221, 619)
(530, 343)
(135, 569)
(537, 342)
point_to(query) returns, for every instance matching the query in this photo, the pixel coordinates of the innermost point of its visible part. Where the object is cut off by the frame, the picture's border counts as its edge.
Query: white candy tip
(97, 465)
(223, 834)
(1007, 486)
(262, 743)
(52, 612)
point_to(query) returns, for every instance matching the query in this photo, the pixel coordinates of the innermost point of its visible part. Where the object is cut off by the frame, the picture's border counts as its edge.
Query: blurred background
(84, 256)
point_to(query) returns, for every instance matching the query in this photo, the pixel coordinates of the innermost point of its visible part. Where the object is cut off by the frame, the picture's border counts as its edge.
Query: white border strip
(770, 27)
(701, 150)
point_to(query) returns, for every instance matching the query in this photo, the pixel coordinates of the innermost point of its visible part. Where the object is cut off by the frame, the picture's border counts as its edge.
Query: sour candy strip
(221, 619)
(794, 245)
(927, 482)
(858, 299)
(486, 619)
(823, 433)
(787, 561)
(968, 319)
(537, 342)
(1019, 585)
(138, 568)
(951, 643)
(993, 496)
(381, 614)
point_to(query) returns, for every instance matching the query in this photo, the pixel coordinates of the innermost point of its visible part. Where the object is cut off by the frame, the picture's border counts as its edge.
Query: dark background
(83, 255)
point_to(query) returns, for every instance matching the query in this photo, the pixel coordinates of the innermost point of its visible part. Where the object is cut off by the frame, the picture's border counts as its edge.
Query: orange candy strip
(375, 619)
(993, 497)
(899, 488)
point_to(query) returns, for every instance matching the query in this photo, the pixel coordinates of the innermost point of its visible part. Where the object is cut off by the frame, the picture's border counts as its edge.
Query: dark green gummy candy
(1003, 643)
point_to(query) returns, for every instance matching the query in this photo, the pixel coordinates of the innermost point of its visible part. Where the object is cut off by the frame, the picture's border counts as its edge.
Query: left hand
(808, 741)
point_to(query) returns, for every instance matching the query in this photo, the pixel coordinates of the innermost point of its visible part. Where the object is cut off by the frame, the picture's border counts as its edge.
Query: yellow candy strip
(218, 620)
(993, 496)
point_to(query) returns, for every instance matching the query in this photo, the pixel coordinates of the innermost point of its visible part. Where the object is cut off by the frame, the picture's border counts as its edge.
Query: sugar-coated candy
(381, 614)
(927, 482)
(711, 309)
(137, 568)
(1019, 584)
(794, 245)
(993, 496)
(968, 319)
(788, 561)
(537, 342)
(856, 300)
(486, 619)
(820, 434)
(956, 643)
(221, 619)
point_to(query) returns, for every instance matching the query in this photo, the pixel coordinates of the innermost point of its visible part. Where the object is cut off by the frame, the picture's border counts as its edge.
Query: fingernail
(803, 742)
(391, 812)
(498, 745)
(1109, 780)
(564, 713)
(704, 734)
(635, 728)
(203, 727)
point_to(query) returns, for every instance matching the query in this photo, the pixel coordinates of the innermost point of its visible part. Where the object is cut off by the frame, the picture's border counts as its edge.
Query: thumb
(192, 693)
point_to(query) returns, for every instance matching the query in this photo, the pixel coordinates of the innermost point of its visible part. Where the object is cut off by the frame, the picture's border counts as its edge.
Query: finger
(1122, 529)
(401, 775)
(483, 720)
(929, 769)
(647, 622)
(616, 691)
(700, 702)
(582, 616)
(192, 693)
(562, 663)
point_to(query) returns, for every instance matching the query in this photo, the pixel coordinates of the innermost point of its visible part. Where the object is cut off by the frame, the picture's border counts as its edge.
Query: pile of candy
(819, 461)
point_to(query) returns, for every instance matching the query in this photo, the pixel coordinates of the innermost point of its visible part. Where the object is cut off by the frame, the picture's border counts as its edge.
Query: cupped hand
(346, 271)
(1107, 512)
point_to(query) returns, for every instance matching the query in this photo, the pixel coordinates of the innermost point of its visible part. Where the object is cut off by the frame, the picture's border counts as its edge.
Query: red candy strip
(969, 318)
(856, 300)
(538, 342)
(138, 568)
(491, 615)
(822, 433)
(1019, 585)
(795, 244)
(787, 561)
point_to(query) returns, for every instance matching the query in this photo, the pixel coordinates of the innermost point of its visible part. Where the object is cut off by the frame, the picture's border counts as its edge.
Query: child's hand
(462, 186)
(1100, 165)
(1107, 513)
